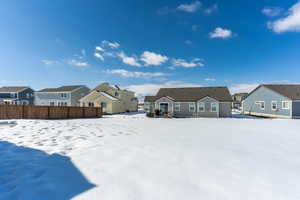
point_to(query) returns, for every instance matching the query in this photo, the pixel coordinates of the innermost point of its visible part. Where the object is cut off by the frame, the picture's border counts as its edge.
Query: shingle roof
(150, 98)
(68, 88)
(192, 94)
(290, 91)
(13, 88)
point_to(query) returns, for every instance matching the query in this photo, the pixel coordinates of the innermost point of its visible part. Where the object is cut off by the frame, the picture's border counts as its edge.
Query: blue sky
(143, 45)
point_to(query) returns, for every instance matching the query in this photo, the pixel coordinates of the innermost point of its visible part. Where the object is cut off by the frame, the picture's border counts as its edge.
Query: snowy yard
(130, 157)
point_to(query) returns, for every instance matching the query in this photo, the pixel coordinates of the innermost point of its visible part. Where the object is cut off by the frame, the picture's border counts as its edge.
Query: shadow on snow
(28, 174)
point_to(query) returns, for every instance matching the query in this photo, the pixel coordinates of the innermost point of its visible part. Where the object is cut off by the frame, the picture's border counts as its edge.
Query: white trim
(208, 97)
(193, 103)
(212, 106)
(275, 104)
(170, 98)
(203, 103)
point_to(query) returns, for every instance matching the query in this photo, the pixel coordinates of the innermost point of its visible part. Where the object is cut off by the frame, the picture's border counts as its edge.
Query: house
(16, 95)
(190, 102)
(237, 99)
(279, 101)
(112, 99)
(61, 96)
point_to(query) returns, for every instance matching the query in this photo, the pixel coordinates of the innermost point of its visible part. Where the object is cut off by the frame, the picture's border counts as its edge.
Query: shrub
(150, 115)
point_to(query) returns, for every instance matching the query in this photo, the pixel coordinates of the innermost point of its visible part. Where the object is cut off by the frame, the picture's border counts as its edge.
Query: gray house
(191, 102)
(16, 95)
(237, 99)
(280, 101)
(62, 96)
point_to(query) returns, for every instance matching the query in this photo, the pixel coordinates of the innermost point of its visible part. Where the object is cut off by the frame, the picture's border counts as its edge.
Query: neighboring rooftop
(192, 94)
(240, 94)
(13, 88)
(290, 91)
(150, 98)
(67, 88)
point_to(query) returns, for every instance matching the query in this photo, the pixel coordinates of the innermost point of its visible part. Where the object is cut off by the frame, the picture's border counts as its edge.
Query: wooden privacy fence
(48, 112)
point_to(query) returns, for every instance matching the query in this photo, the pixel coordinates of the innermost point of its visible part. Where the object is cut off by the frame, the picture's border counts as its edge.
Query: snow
(133, 157)
(109, 96)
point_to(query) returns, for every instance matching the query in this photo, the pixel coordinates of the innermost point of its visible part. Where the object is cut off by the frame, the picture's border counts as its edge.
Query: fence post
(23, 114)
(68, 114)
(48, 112)
(83, 112)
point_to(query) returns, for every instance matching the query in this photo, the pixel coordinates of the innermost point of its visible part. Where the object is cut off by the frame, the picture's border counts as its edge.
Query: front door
(164, 107)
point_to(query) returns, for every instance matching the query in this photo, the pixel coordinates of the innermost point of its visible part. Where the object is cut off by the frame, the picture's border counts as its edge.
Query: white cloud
(242, 88)
(211, 9)
(272, 11)
(113, 45)
(129, 60)
(188, 42)
(83, 52)
(130, 74)
(210, 79)
(50, 62)
(99, 56)
(77, 63)
(151, 89)
(197, 62)
(193, 7)
(221, 33)
(150, 58)
(98, 48)
(291, 22)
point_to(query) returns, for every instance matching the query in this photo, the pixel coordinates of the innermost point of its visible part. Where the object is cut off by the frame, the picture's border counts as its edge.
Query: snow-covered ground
(130, 157)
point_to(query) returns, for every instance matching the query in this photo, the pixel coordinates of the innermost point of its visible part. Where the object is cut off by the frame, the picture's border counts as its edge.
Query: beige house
(111, 98)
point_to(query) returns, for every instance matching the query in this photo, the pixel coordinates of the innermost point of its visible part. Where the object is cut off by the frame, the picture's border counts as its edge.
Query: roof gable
(290, 91)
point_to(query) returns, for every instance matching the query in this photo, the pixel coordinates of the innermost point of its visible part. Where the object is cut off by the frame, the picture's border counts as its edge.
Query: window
(213, 107)
(63, 95)
(103, 104)
(51, 103)
(201, 107)
(177, 107)
(274, 105)
(91, 104)
(261, 104)
(285, 105)
(192, 107)
(62, 104)
(27, 95)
